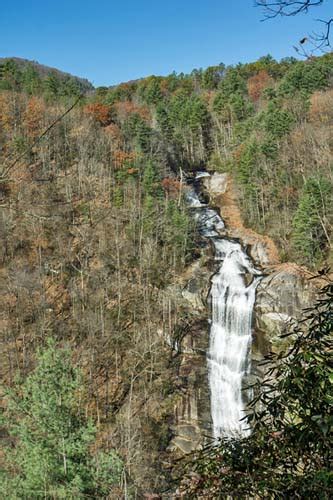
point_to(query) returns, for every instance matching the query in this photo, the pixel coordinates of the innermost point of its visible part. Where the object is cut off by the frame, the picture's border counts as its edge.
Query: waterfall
(232, 297)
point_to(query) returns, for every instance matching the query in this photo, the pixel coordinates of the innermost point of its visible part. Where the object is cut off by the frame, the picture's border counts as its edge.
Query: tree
(277, 121)
(52, 85)
(99, 112)
(33, 117)
(257, 84)
(150, 181)
(31, 80)
(288, 454)
(319, 41)
(307, 77)
(233, 82)
(150, 90)
(310, 231)
(138, 132)
(212, 76)
(10, 75)
(164, 122)
(71, 87)
(51, 436)
(287, 7)
(247, 174)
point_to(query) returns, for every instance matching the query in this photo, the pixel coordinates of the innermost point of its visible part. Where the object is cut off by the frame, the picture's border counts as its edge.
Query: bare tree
(317, 41)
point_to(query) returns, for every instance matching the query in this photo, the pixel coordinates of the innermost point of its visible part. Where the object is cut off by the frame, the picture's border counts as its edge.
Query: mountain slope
(25, 66)
(98, 242)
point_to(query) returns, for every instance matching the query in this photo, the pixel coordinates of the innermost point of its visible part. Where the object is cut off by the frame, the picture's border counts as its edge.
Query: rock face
(281, 296)
(224, 196)
(217, 184)
(284, 293)
(192, 409)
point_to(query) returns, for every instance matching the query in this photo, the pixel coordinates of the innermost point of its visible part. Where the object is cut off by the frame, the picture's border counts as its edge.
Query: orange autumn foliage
(132, 171)
(122, 158)
(33, 117)
(171, 186)
(115, 133)
(6, 114)
(164, 87)
(126, 108)
(257, 83)
(99, 112)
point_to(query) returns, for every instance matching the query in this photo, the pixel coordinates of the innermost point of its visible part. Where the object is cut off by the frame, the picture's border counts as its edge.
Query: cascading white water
(230, 337)
(232, 297)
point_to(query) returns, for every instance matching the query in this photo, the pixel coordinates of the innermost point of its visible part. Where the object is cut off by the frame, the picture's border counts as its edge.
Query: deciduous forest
(96, 235)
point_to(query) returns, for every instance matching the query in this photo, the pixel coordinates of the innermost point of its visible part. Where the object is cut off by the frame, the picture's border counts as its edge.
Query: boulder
(216, 184)
(281, 298)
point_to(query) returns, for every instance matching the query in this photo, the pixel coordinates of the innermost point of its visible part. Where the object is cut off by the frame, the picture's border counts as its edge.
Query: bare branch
(310, 44)
(323, 38)
(274, 8)
(4, 174)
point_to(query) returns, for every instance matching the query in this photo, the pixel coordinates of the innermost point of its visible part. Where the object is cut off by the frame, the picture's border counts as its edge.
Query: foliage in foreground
(288, 453)
(51, 453)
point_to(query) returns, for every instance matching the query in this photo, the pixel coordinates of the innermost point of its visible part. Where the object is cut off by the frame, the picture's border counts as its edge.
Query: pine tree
(52, 85)
(51, 457)
(277, 122)
(150, 181)
(246, 170)
(31, 80)
(164, 122)
(10, 75)
(309, 238)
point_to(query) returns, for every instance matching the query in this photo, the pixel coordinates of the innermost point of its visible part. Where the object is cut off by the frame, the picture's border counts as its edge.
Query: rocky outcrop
(284, 292)
(281, 298)
(223, 194)
(192, 411)
(192, 407)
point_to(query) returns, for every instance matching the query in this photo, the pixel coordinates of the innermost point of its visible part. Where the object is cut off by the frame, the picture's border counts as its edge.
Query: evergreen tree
(137, 131)
(177, 227)
(309, 238)
(241, 108)
(288, 454)
(150, 90)
(310, 76)
(31, 80)
(247, 170)
(70, 87)
(233, 82)
(10, 75)
(164, 122)
(277, 121)
(212, 76)
(52, 85)
(150, 181)
(51, 457)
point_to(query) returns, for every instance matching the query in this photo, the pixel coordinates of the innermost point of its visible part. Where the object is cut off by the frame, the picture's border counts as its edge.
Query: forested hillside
(34, 78)
(91, 239)
(267, 123)
(95, 232)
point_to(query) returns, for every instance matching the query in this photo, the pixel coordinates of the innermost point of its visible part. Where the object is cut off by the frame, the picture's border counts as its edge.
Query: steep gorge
(250, 307)
(100, 250)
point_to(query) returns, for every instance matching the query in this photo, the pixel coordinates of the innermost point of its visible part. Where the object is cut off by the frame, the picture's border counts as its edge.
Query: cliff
(282, 294)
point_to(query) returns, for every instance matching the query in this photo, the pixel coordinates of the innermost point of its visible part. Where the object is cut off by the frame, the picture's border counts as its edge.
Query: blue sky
(110, 41)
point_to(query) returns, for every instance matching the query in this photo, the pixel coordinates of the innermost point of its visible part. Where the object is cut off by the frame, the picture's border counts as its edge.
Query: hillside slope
(32, 77)
(98, 242)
